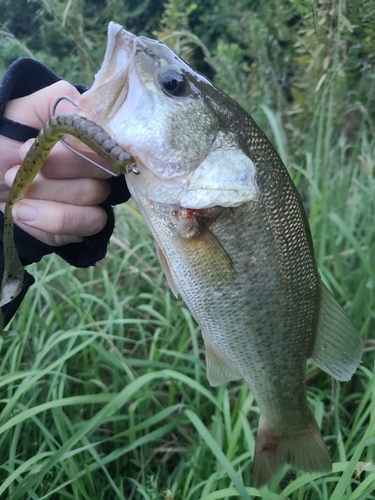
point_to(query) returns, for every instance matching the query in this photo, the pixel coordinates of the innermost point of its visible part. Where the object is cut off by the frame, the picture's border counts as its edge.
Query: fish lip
(110, 88)
(118, 38)
(115, 28)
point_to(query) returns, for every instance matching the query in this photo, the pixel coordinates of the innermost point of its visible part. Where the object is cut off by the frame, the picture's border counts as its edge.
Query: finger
(53, 240)
(80, 192)
(48, 238)
(58, 218)
(9, 154)
(63, 164)
(4, 191)
(40, 104)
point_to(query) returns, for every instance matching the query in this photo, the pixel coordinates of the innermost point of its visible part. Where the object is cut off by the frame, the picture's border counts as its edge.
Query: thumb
(40, 104)
(24, 149)
(45, 102)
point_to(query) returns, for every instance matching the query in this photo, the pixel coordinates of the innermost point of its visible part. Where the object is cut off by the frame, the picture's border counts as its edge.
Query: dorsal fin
(338, 346)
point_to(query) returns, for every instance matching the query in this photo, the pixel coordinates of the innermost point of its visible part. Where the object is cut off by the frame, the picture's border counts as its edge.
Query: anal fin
(338, 346)
(218, 370)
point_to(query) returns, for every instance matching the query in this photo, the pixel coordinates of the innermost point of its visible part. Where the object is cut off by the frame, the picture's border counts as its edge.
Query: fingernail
(24, 213)
(25, 148)
(10, 175)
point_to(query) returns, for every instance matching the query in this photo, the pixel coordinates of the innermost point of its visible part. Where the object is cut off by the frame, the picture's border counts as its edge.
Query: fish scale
(226, 310)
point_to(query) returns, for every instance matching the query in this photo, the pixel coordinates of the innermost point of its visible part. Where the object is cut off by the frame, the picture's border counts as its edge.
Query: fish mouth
(115, 96)
(111, 86)
(117, 91)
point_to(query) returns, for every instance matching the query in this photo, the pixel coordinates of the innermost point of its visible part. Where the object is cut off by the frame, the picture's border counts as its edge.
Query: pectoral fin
(218, 370)
(204, 254)
(208, 259)
(338, 346)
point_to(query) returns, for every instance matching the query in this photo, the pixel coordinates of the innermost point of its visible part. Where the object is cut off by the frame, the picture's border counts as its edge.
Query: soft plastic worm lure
(131, 168)
(90, 134)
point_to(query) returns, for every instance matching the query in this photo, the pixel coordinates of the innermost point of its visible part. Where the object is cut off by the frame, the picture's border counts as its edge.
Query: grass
(104, 394)
(103, 390)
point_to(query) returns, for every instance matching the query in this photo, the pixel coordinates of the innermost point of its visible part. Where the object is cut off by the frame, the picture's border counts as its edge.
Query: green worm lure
(87, 132)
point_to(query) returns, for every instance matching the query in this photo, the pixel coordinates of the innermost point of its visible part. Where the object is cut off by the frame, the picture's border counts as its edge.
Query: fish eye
(173, 82)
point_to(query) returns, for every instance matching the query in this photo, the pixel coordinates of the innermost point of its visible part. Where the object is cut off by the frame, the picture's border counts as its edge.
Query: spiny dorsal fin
(338, 346)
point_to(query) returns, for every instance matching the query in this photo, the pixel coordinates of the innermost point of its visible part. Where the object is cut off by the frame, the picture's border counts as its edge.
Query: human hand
(61, 205)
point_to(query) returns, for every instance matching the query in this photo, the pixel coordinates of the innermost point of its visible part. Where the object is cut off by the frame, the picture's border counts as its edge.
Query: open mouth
(110, 89)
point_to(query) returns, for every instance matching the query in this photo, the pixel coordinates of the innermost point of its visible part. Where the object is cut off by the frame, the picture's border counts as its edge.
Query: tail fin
(305, 451)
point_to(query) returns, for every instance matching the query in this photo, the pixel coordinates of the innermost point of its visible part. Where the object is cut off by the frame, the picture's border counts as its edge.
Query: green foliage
(69, 35)
(103, 386)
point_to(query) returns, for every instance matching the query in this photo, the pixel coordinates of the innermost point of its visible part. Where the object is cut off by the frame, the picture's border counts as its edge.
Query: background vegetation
(102, 379)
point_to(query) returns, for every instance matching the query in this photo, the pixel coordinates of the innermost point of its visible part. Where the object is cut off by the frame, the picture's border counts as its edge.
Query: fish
(232, 237)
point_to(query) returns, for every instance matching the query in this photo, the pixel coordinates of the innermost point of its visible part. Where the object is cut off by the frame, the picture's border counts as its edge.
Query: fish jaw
(110, 88)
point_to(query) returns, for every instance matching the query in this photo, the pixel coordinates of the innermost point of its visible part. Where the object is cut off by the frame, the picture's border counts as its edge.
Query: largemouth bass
(232, 236)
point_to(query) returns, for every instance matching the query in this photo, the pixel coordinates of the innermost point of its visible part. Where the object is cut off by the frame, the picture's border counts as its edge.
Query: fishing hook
(131, 168)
